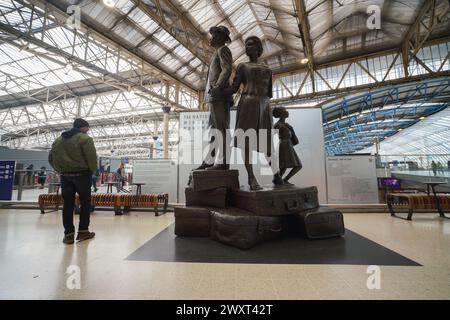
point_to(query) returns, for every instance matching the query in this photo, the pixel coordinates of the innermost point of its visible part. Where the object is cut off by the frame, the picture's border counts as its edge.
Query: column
(166, 110)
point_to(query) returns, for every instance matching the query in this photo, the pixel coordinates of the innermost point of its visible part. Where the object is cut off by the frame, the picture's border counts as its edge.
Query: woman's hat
(221, 29)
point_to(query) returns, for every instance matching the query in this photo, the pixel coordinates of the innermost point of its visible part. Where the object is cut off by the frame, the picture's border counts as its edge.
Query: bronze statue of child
(288, 158)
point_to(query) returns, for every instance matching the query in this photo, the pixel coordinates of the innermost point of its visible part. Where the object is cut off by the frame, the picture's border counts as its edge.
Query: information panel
(159, 176)
(6, 179)
(352, 180)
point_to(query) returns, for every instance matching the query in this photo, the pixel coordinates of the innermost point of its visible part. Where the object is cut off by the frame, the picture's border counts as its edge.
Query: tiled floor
(33, 263)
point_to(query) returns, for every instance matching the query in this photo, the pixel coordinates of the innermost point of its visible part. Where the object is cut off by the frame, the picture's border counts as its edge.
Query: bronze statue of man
(218, 102)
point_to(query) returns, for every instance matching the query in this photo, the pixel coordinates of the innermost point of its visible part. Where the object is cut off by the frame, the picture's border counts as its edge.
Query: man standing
(73, 155)
(219, 104)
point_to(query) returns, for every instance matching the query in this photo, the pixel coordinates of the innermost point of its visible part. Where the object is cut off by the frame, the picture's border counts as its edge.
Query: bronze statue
(288, 158)
(253, 109)
(219, 102)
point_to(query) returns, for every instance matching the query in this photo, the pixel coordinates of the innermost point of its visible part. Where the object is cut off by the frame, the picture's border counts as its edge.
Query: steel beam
(115, 80)
(59, 13)
(415, 37)
(176, 23)
(303, 26)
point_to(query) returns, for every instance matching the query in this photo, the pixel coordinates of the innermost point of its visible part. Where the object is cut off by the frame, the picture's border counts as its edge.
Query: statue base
(218, 208)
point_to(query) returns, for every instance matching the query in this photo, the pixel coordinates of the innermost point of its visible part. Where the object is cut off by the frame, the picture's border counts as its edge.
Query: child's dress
(288, 158)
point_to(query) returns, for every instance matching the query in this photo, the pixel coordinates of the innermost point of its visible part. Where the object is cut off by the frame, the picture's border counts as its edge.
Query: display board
(159, 176)
(7, 169)
(352, 179)
(307, 123)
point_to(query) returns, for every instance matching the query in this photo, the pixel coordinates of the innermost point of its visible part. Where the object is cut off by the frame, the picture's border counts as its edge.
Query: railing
(29, 184)
(433, 165)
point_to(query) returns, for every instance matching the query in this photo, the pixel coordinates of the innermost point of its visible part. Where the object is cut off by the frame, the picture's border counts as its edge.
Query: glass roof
(429, 136)
(132, 36)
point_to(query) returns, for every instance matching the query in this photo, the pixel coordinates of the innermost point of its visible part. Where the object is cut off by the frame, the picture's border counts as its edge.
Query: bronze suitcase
(211, 179)
(323, 222)
(210, 198)
(192, 221)
(242, 229)
(275, 201)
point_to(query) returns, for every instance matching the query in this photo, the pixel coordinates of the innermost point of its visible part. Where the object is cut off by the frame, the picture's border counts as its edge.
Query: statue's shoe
(287, 183)
(277, 180)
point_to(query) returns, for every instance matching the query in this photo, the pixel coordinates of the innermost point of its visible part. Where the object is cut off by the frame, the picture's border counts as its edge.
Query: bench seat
(416, 201)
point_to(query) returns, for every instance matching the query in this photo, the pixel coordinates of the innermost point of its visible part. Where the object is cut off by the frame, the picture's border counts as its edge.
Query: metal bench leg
(391, 209)
(410, 213)
(166, 203)
(118, 211)
(442, 215)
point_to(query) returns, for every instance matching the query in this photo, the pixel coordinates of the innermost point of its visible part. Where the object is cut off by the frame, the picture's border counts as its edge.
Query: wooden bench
(56, 200)
(155, 201)
(417, 201)
(121, 203)
(53, 200)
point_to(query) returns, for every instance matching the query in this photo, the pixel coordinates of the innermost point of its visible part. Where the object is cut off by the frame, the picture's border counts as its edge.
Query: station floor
(34, 263)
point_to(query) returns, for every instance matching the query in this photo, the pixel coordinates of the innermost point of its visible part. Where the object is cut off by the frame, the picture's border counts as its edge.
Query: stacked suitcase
(218, 208)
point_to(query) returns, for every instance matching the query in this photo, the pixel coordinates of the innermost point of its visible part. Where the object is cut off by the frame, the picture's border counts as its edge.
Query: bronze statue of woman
(253, 110)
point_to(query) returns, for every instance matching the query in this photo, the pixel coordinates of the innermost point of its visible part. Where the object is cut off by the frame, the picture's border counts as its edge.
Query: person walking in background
(434, 167)
(448, 165)
(42, 177)
(440, 167)
(120, 177)
(30, 174)
(73, 155)
(95, 176)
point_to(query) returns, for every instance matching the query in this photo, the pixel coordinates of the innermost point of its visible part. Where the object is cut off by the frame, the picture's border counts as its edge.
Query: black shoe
(287, 183)
(219, 167)
(69, 238)
(277, 180)
(85, 235)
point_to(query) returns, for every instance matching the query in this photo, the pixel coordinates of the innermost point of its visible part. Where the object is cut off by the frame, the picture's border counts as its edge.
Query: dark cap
(80, 123)
(221, 29)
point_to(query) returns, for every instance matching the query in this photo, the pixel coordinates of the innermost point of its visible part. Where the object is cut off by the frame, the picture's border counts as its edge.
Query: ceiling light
(421, 118)
(304, 61)
(400, 129)
(109, 3)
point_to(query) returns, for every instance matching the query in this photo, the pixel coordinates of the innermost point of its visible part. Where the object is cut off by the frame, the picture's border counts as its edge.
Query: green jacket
(73, 151)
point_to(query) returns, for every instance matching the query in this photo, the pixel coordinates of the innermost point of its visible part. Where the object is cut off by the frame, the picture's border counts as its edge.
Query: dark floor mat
(352, 249)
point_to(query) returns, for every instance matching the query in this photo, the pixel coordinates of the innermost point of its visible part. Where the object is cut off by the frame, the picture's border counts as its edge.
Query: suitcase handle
(261, 230)
(292, 205)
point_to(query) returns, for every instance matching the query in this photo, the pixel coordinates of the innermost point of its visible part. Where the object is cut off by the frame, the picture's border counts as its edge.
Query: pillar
(166, 110)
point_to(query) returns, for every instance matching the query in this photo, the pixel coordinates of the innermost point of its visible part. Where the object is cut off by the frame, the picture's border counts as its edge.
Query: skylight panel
(166, 38)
